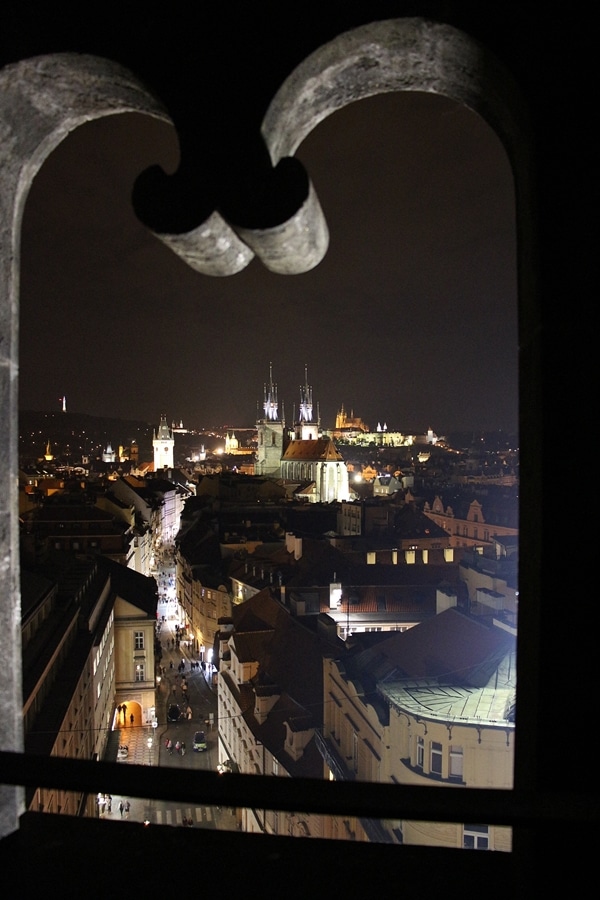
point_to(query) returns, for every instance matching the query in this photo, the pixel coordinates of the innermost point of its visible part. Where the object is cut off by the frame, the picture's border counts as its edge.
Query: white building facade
(163, 443)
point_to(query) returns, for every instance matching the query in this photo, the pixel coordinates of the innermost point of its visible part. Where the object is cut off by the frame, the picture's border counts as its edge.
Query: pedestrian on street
(121, 808)
(127, 807)
(131, 719)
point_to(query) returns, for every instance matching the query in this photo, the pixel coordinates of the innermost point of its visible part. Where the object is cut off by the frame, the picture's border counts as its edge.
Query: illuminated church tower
(163, 443)
(270, 428)
(305, 428)
(108, 455)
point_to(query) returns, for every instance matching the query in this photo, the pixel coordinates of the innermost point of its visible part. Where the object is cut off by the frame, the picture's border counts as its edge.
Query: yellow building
(470, 530)
(202, 595)
(432, 705)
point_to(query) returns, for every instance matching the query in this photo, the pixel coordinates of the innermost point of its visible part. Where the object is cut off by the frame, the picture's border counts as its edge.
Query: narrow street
(182, 682)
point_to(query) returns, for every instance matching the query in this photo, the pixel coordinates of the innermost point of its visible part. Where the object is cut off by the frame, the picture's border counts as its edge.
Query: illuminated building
(270, 428)
(164, 444)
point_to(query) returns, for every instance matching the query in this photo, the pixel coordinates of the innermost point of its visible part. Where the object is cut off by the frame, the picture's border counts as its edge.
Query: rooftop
(427, 698)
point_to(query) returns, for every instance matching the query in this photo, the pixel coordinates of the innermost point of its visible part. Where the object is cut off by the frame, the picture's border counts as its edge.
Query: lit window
(140, 674)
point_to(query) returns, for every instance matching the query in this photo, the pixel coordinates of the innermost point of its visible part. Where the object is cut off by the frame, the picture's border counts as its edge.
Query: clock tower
(163, 443)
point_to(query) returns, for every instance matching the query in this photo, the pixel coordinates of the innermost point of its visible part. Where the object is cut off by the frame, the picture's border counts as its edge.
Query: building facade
(450, 724)
(68, 639)
(135, 612)
(270, 705)
(318, 468)
(469, 529)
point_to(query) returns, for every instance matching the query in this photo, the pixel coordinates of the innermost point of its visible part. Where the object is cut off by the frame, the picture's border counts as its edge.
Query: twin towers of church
(273, 438)
(300, 454)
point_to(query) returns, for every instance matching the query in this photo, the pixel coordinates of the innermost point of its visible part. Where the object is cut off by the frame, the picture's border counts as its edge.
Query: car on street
(123, 752)
(199, 741)
(174, 713)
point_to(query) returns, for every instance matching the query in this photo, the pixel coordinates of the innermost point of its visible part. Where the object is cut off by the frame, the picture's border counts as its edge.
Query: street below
(183, 682)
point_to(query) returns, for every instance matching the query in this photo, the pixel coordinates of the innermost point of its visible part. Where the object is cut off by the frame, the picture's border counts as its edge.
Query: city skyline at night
(410, 319)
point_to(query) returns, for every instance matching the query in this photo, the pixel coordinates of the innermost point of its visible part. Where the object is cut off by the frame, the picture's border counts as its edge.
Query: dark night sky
(409, 320)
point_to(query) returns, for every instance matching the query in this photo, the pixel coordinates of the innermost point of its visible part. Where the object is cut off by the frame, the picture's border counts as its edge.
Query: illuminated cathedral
(343, 421)
(302, 455)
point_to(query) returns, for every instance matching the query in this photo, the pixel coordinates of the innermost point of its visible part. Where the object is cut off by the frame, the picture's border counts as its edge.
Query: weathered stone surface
(212, 249)
(407, 54)
(42, 100)
(297, 245)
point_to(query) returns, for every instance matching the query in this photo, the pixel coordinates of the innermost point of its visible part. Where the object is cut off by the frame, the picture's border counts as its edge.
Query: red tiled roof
(319, 449)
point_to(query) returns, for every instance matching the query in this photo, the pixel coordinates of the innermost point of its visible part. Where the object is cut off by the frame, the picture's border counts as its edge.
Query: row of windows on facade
(431, 764)
(436, 754)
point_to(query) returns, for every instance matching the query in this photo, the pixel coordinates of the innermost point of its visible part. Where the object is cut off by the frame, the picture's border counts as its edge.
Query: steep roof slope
(452, 646)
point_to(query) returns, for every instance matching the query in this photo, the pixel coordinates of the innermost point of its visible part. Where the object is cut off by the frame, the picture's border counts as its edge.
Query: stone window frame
(43, 99)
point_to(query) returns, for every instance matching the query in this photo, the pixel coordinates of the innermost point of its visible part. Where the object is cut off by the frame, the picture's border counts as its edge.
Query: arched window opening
(390, 302)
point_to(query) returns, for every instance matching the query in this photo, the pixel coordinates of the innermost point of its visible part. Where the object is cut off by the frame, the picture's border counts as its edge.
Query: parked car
(123, 752)
(199, 741)
(173, 713)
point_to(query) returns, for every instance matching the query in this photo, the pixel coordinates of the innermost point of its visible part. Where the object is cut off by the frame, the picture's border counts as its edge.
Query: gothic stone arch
(43, 99)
